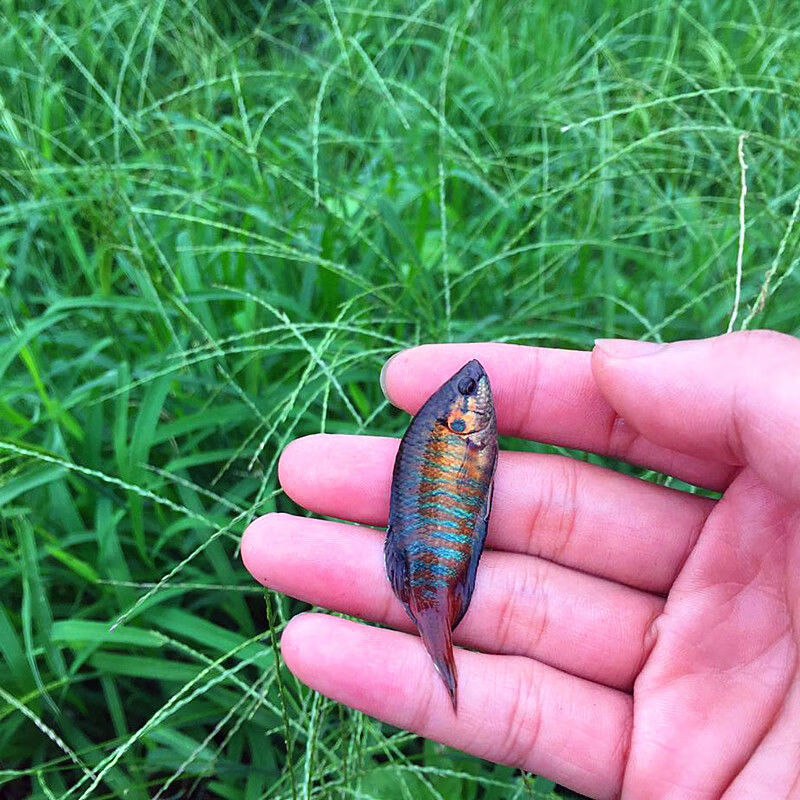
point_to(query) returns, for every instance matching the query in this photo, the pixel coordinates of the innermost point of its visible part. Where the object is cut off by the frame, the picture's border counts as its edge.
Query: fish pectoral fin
(397, 569)
(462, 591)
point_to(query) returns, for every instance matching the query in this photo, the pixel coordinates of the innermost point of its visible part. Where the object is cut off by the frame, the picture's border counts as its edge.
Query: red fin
(434, 628)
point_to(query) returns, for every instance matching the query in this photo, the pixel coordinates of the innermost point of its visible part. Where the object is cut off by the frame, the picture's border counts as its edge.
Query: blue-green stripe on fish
(468, 495)
(447, 480)
(427, 548)
(426, 520)
(462, 513)
(450, 536)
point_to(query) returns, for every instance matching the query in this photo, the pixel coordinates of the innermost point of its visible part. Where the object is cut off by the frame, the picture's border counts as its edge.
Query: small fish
(439, 511)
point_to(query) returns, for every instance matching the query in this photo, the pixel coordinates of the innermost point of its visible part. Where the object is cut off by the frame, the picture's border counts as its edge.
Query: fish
(439, 508)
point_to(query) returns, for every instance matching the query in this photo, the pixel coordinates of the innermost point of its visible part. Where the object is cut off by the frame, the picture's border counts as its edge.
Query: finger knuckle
(523, 720)
(523, 612)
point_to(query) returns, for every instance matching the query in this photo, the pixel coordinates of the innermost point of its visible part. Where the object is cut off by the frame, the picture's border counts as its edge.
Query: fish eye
(467, 386)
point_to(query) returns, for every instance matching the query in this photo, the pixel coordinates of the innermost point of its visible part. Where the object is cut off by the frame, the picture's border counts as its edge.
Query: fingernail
(626, 348)
(384, 369)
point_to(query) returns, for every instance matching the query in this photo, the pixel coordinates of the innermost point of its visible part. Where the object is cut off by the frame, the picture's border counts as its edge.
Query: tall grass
(218, 219)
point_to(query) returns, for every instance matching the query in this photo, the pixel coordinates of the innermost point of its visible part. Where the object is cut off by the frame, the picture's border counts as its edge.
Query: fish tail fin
(434, 628)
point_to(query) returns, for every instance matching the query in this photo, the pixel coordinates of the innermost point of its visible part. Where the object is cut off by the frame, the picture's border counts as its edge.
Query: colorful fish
(439, 512)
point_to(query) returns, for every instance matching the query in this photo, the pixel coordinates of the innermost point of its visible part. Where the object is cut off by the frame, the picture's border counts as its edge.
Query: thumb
(733, 399)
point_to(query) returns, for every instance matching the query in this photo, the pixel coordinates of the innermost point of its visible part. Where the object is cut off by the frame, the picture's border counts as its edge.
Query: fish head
(469, 405)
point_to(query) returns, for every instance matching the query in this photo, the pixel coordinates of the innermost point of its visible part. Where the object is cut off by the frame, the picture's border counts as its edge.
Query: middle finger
(564, 510)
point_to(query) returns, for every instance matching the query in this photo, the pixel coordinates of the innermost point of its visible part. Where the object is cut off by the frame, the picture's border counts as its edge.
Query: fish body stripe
(458, 500)
(441, 493)
(435, 522)
(443, 463)
(449, 536)
(436, 551)
(434, 462)
(431, 590)
(438, 470)
(450, 457)
(430, 562)
(435, 569)
(466, 482)
(455, 492)
(449, 554)
(429, 532)
(462, 513)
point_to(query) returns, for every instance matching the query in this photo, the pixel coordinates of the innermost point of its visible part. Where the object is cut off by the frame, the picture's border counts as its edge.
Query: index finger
(544, 394)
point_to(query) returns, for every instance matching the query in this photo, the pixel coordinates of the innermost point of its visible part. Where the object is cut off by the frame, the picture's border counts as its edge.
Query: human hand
(628, 639)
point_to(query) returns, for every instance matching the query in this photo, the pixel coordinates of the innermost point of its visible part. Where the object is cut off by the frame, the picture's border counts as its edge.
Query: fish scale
(439, 509)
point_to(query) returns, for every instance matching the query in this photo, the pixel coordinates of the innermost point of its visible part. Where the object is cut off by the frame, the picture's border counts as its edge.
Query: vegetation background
(218, 219)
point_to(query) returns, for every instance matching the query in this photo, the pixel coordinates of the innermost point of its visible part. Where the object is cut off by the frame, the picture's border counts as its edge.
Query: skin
(626, 639)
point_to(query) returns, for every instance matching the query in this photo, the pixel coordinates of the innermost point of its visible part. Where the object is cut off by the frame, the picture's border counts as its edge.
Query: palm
(725, 651)
(627, 638)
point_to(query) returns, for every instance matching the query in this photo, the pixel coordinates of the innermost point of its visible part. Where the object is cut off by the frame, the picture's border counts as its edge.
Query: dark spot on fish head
(467, 386)
(464, 421)
(466, 400)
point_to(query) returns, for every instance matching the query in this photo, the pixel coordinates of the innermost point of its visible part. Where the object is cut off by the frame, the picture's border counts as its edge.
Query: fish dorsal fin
(397, 569)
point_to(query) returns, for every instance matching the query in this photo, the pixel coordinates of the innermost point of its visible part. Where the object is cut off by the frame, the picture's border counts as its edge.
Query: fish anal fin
(462, 591)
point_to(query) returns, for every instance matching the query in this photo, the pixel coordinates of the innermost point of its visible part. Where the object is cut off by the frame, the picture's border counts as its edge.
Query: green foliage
(218, 219)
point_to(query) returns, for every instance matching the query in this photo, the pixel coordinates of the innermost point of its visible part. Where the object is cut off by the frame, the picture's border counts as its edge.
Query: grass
(218, 220)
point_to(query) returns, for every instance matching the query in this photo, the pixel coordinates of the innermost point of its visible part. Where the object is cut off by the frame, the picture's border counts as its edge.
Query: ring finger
(522, 605)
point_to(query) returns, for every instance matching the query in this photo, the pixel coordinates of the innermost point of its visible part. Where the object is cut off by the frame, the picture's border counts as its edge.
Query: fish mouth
(473, 368)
